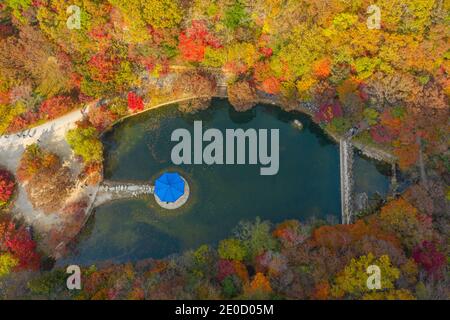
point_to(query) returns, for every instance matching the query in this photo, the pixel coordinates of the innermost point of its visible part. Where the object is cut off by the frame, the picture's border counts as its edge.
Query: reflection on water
(307, 184)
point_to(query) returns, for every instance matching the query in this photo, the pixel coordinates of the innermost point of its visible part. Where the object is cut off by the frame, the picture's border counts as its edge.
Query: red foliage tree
(191, 49)
(75, 80)
(194, 40)
(226, 268)
(101, 33)
(18, 241)
(427, 256)
(102, 66)
(380, 134)
(19, 123)
(7, 186)
(328, 112)
(135, 102)
(24, 121)
(266, 52)
(55, 107)
(391, 123)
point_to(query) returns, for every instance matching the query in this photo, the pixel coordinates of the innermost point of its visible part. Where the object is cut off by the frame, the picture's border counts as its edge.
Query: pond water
(306, 186)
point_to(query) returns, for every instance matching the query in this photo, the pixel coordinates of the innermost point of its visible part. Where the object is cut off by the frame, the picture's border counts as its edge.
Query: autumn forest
(377, 70)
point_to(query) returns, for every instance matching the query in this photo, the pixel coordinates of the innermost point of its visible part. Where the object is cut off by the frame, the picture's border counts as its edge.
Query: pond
(307, 184)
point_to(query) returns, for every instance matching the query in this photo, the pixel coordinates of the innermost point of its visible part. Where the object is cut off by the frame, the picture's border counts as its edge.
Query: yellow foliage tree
(162, 13)
(401, 294)
(352, 281)
(7, 263)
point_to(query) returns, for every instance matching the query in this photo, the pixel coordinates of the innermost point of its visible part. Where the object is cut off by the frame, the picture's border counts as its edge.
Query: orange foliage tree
(322, 68)
(260, 285)
(399, 217)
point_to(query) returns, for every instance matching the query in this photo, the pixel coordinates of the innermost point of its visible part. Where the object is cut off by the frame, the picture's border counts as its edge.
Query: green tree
(256, 237)
(86, 144)
(235, 16)
(17, 6)
(371, 115)
(339, 125)
(232, 249)
(229, 288)
(50, 283)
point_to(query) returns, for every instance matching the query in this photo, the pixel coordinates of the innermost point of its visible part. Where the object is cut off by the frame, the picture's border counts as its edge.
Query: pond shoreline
(302, 153)
(369, 151)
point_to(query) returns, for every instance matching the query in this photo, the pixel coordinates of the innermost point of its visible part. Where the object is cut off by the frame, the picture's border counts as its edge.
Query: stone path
(346, 171)
(117, 190)
(52, 136)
